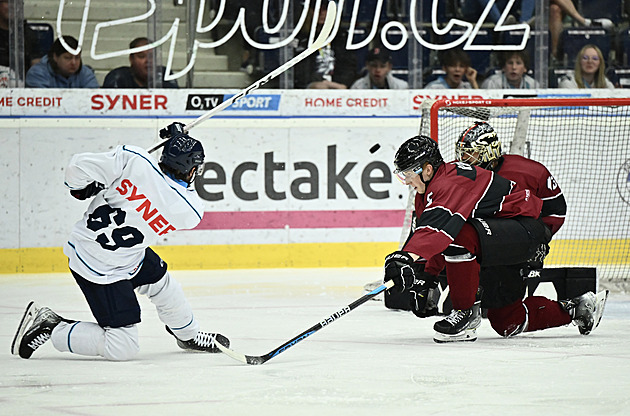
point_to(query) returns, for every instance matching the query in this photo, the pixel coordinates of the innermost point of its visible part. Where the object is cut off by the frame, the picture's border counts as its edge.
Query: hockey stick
(317, 44)
(261, 359)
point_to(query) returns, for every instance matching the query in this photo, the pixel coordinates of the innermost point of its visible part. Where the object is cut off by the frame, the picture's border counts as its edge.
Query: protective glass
(407, 174)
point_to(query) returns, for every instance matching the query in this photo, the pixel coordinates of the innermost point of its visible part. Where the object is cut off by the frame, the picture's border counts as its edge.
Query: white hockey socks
(88, 338)
(172, 306)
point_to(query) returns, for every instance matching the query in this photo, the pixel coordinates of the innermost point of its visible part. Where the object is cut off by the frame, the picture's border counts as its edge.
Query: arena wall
(289, 180)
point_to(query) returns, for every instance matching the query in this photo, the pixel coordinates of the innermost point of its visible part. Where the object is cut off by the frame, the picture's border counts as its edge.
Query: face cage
(486, 153)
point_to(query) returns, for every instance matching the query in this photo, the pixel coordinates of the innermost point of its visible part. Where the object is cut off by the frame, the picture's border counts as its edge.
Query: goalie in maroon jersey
(452, 199)
(504, 286)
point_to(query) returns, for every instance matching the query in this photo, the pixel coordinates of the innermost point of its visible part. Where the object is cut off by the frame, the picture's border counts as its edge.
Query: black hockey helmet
(478, 145)
(414, 153)
(180, 155)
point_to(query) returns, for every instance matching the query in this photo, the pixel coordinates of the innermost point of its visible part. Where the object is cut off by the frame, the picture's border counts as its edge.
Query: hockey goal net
(585, 144)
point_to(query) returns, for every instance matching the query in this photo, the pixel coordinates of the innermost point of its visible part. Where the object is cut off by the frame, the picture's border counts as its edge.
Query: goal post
(585, 144)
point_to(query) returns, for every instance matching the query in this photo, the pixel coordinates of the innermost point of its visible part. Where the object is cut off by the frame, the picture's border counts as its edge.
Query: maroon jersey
(529, 174)
(457, 192)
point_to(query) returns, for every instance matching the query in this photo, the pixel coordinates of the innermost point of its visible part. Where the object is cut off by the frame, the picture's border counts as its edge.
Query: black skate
(204, 341)
(460, 325)
(42, 321)
(586, 310)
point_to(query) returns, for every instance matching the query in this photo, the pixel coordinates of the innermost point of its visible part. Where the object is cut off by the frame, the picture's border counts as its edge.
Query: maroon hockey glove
(87, 192)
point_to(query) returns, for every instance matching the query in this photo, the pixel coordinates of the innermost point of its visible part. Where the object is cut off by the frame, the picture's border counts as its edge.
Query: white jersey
(139, 204)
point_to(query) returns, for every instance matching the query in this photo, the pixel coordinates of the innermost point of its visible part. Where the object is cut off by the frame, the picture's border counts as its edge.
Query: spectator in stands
(514, 66)
(557, 10)
(590, 70)
(379, 76)
(332, 67)
(31, 56)
(136, 75)
(61, 69)
(456, 64)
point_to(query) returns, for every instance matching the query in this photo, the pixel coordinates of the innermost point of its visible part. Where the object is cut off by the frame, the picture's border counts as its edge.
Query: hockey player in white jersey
(136, 200)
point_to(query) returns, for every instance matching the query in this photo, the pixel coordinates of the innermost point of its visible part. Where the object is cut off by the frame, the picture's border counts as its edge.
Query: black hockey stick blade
(261, 359)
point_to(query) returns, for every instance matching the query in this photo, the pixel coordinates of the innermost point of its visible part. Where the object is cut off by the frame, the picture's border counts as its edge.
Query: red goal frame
(521, 102)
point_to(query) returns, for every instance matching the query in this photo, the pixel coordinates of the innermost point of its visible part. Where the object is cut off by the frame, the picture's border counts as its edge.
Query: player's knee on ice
(87, 338)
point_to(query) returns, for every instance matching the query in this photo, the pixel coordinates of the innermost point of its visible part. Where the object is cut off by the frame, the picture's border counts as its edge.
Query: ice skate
(42, 321)
(25, 322)
(460, 325)
(203, 341)
(586, 310)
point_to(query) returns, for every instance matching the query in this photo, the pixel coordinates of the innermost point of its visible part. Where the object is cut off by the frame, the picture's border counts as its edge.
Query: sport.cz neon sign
(467, 30)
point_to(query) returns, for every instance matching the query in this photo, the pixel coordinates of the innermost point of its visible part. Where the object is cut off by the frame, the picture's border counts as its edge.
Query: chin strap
(179, 181)
(426, 183)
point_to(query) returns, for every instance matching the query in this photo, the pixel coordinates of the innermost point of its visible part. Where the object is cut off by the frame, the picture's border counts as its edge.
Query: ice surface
(370, 362)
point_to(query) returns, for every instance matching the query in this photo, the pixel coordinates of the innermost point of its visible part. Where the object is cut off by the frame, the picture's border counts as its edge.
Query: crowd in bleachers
(599, 27)
(602, 25)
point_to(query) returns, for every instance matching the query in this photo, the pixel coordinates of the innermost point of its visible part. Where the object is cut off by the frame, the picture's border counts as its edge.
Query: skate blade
(467, 335)
(600, 304)
(27, 320)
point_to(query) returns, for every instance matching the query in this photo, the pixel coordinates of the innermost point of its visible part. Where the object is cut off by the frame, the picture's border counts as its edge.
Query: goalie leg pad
(506, 241)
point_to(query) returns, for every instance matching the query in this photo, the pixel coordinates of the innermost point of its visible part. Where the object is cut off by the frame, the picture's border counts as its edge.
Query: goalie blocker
(513, 250)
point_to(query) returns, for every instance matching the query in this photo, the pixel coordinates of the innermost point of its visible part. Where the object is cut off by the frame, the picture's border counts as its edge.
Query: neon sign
(467, 30)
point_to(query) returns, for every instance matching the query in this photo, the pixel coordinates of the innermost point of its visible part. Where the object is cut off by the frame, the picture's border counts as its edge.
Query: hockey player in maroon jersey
(479, 145)
(504, 287)
(449, 196)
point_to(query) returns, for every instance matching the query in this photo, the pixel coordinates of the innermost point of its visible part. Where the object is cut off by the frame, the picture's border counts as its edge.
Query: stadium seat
(609, 9)
(555, 74)
(367, 9)
(399, 10)
(431, 74)
(360, 34)
(45, 37)
(619, 76)
(400, 58)
(514, 37)
(623, 52)
(573, 39)
(268, 59)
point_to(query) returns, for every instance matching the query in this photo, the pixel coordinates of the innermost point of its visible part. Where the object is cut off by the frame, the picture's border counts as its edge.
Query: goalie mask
(413, 154)
(478, 145)
(180, 156)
